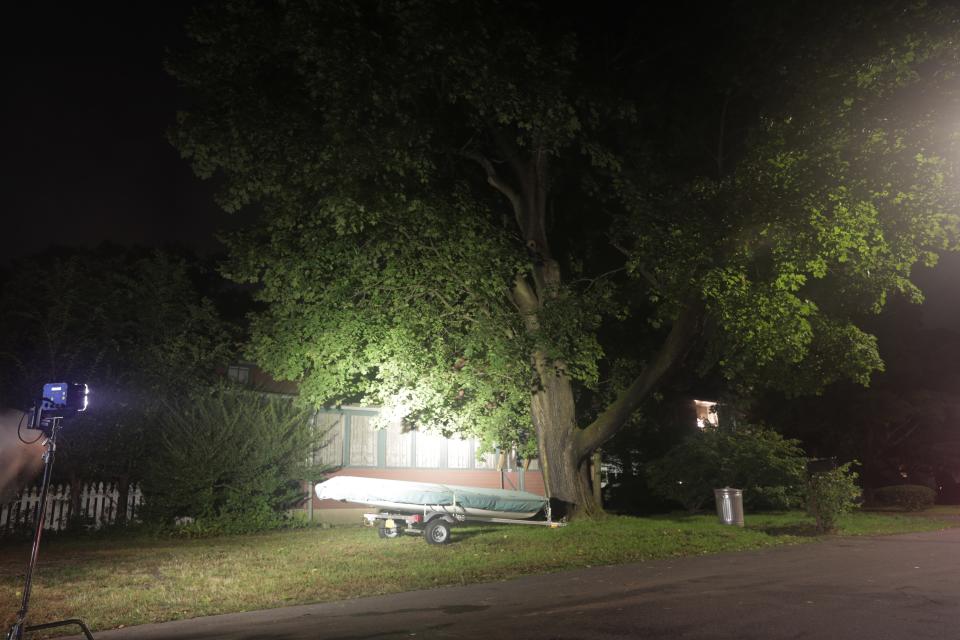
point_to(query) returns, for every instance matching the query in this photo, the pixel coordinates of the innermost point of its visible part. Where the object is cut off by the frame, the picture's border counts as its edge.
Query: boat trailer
(435, 523)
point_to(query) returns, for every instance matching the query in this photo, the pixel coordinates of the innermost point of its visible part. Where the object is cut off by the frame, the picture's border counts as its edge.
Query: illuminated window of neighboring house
(707, 415)
(238, 374)
(363, 442)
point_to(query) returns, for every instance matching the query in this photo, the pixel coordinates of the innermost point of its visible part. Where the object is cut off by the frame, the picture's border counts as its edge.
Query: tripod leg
(62, 623)
(19, 627)
(48, 458)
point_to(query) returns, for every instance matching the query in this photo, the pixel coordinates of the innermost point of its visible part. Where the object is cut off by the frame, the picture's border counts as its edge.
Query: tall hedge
(909, 497)
(231, 460)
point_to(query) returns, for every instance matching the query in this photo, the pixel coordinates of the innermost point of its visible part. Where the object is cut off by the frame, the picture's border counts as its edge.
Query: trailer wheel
(437, 532)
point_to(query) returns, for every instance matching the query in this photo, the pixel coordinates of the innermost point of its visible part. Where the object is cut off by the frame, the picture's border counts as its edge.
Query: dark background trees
(903, 427)
(132, 323)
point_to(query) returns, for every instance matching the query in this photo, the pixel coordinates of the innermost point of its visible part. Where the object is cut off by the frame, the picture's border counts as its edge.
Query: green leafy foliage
(909, 497)
(768, 467)
(229, 460)
(830, 494)
(460, 204)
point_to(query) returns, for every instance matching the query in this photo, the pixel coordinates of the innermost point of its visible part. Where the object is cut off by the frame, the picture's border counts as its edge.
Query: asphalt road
(898, 587)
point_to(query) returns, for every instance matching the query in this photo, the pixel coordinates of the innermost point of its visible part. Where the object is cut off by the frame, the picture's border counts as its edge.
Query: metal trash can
(729, 505)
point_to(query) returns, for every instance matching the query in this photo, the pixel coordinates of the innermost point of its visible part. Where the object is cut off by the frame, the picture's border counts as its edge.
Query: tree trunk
(565, 468)
(565, 448)
(564, 461)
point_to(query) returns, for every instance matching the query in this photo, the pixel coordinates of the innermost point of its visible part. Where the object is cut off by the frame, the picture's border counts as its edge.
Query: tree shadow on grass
(796, 529)
(800, 530)
(462, 536)
(474, 531)
(677, 516)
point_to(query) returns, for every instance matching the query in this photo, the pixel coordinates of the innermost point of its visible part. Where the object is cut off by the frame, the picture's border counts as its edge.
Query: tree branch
(648, 276)
(508, 149)
(641, 268)
(527, 302)
(593, 281)
(494, 179)
(674, 348)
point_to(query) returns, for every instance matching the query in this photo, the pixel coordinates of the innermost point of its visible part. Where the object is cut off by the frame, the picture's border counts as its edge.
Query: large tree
(514, 221)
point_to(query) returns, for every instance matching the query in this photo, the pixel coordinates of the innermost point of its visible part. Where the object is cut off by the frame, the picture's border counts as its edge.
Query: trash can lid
(728, 490)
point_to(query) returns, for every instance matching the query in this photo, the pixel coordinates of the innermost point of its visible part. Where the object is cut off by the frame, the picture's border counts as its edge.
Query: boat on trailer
(431, 509)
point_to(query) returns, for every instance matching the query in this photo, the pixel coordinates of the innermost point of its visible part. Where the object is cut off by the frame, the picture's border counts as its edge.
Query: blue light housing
(65, 395)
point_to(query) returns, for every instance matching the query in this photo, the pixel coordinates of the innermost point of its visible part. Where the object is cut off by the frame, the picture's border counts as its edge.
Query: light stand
(19, 626)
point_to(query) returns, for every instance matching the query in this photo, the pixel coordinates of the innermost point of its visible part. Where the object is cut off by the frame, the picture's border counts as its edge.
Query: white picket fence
(98, 507)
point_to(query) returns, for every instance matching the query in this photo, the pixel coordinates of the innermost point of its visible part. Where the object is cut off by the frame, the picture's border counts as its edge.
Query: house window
(363, 442)
(399, 445)
(707, 415)
(329, 430)
(430, 448)
(240, 375)
(459, 453)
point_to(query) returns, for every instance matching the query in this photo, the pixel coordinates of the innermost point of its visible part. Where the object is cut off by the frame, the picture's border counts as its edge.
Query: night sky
(84, 156)
(86, 107)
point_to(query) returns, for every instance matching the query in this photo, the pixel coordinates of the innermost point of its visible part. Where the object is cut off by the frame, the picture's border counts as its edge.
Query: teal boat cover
(377, 492)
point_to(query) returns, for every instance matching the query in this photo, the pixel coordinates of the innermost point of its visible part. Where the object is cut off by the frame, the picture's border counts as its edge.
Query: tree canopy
(514, 221)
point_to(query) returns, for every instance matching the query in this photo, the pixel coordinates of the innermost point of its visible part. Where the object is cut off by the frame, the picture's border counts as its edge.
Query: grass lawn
(937, 511)
(113, 581)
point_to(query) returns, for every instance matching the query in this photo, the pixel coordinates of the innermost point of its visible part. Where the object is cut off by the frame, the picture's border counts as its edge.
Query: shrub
(768, 467)
(830, 494)
(230, 461)
(909, 497)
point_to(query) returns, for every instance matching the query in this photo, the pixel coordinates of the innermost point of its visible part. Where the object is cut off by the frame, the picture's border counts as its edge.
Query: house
(354, 445)
(354, 442)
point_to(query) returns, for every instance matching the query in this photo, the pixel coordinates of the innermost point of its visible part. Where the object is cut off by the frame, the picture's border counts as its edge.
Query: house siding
(353, 446)
(483, 478)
